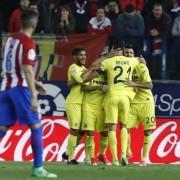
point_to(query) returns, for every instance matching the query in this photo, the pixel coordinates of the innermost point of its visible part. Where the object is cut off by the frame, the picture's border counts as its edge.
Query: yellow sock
(103, 144)
(146, 146)
(72, 141)
(129, 152)
(90, 146)
(113, 144)
(124, 141)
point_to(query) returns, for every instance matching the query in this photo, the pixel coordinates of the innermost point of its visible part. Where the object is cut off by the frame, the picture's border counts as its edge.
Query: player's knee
(104, 133)
(147, 132)
(90, 133)
(122, 125)
(3, 130)
(82, 133)
(74, 132)
(112, 127)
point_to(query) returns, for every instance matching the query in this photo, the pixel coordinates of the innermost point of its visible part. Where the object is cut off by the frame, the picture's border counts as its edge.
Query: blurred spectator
(175, 8)
(100, 24)
(14, 22)
(81, 12)
(112, 11)
(158, 26)
(138, 4)
(176, 42)
(65, 22)
(44, 16)
(130, 28)
(34, 6)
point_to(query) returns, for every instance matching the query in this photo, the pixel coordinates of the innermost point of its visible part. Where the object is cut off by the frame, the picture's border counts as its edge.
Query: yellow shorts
(116, 107)
(93, 119)
(74, 115)
(144, 113)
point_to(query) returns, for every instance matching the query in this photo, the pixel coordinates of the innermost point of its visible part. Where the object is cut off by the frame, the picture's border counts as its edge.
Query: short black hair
(100, 7)
(118, 44)
(158, 4)
(27, 18)
(129, 8)
(77, 50)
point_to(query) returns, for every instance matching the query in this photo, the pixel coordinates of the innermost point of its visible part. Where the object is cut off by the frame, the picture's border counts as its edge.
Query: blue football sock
(2, 133)
(37, 146)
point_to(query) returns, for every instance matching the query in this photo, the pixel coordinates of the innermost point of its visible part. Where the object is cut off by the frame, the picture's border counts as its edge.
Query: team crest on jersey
(32, 54)
(75, 71)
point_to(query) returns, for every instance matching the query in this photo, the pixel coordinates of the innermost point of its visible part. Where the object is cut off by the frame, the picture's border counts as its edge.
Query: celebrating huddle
(116, 88)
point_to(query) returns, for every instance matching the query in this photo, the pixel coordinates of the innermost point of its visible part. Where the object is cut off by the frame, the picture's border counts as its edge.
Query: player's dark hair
(28, 17)
(77, 50)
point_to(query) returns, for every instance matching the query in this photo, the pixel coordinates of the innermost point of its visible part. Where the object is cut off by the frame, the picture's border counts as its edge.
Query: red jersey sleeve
(29, 53)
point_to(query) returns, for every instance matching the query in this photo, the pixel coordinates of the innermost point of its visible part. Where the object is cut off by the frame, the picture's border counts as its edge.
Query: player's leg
(7, 113)
(129, 151)
(22, 106)
(148, 121)
(102, 128)
(111, 116)
(103, 147)
(88, 125)
(80, 136)
(124, 107)
(74, 119)
(133, 122)
(91, 147)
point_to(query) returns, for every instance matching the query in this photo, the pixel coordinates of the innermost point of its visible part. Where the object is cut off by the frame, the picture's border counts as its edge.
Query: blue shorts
(15, 104)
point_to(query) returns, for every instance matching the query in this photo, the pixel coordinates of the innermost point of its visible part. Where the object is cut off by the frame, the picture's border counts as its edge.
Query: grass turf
(22, 171)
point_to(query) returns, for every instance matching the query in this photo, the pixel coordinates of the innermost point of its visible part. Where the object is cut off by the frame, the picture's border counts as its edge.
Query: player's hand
(104, 88)
(40, 88)
(34, 104)
(70, 83)
(142, 60)
(130, 83)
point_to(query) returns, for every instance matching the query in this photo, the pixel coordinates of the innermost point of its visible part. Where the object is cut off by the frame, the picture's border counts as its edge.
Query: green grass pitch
(22, 171)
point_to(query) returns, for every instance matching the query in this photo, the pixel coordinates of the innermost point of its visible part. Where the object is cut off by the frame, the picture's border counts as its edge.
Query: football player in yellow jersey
(94, 118)
(78, 73)
(117, 100)
(142, 107)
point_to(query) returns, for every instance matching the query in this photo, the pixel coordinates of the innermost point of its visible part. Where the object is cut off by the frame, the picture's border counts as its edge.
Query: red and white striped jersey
(18, 51)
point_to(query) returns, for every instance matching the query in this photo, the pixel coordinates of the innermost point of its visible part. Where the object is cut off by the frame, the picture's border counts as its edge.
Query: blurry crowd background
(151, 27)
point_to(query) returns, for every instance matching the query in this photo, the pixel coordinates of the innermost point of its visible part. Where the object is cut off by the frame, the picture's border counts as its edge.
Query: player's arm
(79, 77)
(40, 87)
(88, 88)
(146, 85)
(29, 75)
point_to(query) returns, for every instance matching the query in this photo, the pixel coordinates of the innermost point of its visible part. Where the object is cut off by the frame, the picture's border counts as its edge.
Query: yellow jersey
(118, 69)
(76, 94)
(141, 74)
(95, 98)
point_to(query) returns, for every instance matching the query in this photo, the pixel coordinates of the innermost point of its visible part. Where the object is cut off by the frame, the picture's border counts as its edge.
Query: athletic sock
(71, 146)
(124, 141)
(37, 146)
(146, 146)
(129, 152)
(90, 146)
(113, 144)
(103, 144)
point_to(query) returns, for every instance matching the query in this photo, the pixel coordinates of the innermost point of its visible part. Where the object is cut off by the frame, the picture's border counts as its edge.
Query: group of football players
(117, 88)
